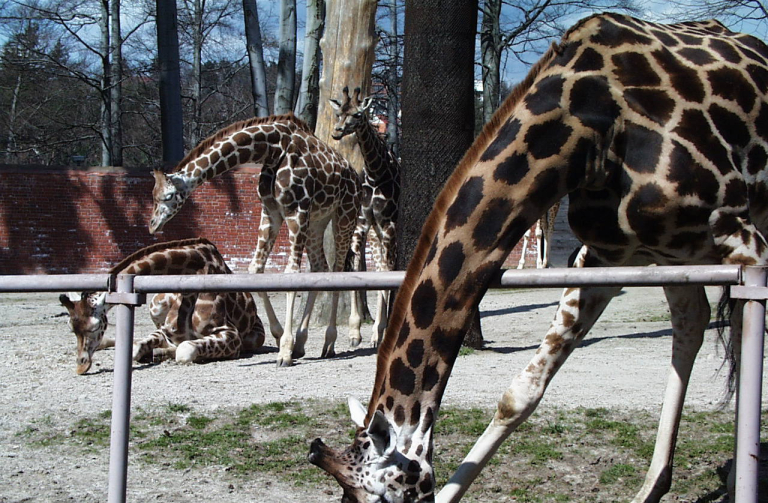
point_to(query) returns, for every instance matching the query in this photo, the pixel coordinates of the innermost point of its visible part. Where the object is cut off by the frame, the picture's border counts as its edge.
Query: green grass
(559, 455)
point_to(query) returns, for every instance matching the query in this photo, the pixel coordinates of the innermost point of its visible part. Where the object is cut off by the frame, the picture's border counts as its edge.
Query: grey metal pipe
(54, 283)
(550, 278)
(750, 391)
(121, 394)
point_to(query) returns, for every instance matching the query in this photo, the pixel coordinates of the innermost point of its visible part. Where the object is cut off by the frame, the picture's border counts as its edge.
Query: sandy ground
(622, 364)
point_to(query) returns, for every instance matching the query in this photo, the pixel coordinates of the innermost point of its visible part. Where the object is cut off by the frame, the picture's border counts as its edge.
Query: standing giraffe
(659, 136)
(545, 227)
(303, 182)
(381, 196)
(190, 327)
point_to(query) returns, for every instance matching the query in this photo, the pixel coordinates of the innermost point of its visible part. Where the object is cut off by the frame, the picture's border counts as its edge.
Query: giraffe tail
(725, 337)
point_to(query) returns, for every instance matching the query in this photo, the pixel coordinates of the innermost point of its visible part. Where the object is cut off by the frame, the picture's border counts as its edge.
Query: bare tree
(286, 63)
(171, 127)
(255, 58)
(309, 91)
(115, 83)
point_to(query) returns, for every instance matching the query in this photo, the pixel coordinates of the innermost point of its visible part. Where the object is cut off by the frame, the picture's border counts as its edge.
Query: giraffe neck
(489, 202)
(379, 160)
(257, 141)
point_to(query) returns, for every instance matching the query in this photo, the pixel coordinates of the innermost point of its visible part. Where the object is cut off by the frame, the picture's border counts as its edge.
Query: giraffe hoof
(284, 362)
(353, 343)
(298, 354)
(328, 353)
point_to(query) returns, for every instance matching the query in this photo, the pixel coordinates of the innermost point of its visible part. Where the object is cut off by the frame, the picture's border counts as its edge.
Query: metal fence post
(126, 301)
(749, 396)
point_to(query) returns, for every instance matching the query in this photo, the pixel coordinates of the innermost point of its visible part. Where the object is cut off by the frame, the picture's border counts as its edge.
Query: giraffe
(190, 327)
(381, 196)
(658, 134)
(545, 227)
(303, 182)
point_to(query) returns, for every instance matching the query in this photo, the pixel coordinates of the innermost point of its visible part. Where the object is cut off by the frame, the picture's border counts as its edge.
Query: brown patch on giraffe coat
(547, 95)
(613, 35)
(690, 177)
(415, 353)
(467, 199)
(415, 413)
(759, 76)
(488, 228)
(399, 415)
(698, 57)
(685, 80)
(430, 377)
(592, 104)
(506, 135)
(655, 104)
(695, 128)
(451, 259)
(547, 139)
(729, 83)
(645, 213)
(424, 304)
(665, 38)
(589, 60)
(633, 69)
(757, 159)
(730, 126)
(512, 170)
(639, 147)
(401, 377)
(446, 343)
(725, 50)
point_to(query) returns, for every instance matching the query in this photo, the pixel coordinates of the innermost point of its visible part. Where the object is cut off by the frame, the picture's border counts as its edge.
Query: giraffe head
(88, 320)
(168, 197)
(351, 113)
(372, 469)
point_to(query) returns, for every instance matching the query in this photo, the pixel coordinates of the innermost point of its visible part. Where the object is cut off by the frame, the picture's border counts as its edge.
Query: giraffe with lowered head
(303, 182)
(659, 136)
(190, 327)
(381, 197)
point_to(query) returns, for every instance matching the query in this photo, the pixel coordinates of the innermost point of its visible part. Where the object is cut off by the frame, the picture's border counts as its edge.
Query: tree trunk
(286, 63)
(196, 133)
(490, 48)
(256, 58)
(348, 53)
(438, 111)
(116, 81)
(393, 80)
(171, 126)
(106, 74)
(309, 92)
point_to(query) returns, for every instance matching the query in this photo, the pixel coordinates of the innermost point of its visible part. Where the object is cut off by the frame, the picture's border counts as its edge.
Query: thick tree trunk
(196, 133)
(255, 58)
(309, 92)
(116, 81)
(171, 126)
(393, 81)
(438, 111)
(490, 44)
(106, 74)
(286, 63)
(348, 45)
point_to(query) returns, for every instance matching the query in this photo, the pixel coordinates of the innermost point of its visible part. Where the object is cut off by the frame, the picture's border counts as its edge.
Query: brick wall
(59, 220)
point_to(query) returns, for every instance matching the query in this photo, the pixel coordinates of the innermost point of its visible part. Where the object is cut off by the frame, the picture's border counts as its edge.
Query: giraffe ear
(335, 104)
(382, 435)
(66, 302)
(357, 411)
(367, 102)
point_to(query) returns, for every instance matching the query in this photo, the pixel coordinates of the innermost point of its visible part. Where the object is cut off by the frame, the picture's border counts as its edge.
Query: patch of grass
(466, 351)
(619, 472)
(559, 455)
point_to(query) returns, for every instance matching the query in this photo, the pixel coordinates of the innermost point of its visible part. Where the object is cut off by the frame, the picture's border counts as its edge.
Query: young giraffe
(190, 327)
(545, 227)
(381, 196)
(303, 182)
(659, 136)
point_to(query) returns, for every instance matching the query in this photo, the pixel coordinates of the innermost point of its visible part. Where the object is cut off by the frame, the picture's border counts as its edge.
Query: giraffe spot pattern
(491, 222)
(725, 50)
(451, 259)
(512, 170)
(695, 128)
(690, 177)
(467, 199)
(654, 104)
(634, 69)
(592, 104)
(547, 139)
(612, 35)
(424, 304)
(415, 353)
(589, 60)
(506, 135)
(547, 95)
(729, 83)
(639, 146)
(684, 80)
(402, 378)
(645, 212)
(730, 126)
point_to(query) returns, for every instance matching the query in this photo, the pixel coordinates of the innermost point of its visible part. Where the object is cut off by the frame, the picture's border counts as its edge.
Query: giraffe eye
(167, 197)
(357, 115)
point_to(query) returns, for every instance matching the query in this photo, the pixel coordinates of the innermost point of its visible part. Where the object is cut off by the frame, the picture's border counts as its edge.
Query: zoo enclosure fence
(129, 291)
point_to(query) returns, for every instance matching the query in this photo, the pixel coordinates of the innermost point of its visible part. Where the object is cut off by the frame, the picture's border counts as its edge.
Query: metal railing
(127, 292)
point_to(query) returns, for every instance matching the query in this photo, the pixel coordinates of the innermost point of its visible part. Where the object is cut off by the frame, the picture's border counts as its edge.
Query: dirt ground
(622, 365)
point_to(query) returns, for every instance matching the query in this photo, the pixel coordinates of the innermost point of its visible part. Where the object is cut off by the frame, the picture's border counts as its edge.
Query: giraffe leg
(222, 343)
(317, 263)
(578, 310)
(383, 254)
(690, 314)
(357, 249)
(297, 234)
(269, 225)
(143, 350)
(541, 250)
(526, 239)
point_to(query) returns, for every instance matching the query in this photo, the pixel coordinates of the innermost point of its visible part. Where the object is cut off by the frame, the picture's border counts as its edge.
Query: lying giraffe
(381, 197)
(545, 227)
(659, 136)
(190, 327)
(303, 182)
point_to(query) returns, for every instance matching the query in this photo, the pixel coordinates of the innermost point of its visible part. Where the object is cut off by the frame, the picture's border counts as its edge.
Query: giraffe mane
(156, 248)
(228, 130)
(431, 226)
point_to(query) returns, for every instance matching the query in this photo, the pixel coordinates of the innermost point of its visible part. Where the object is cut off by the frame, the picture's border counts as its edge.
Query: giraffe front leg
(331, 333)
(143, 350)
(524, 250)
(382, 246)
(578, 310)
(297, 233)
(222, 344)
(269, 226)
(357, 251)
(690, 314)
